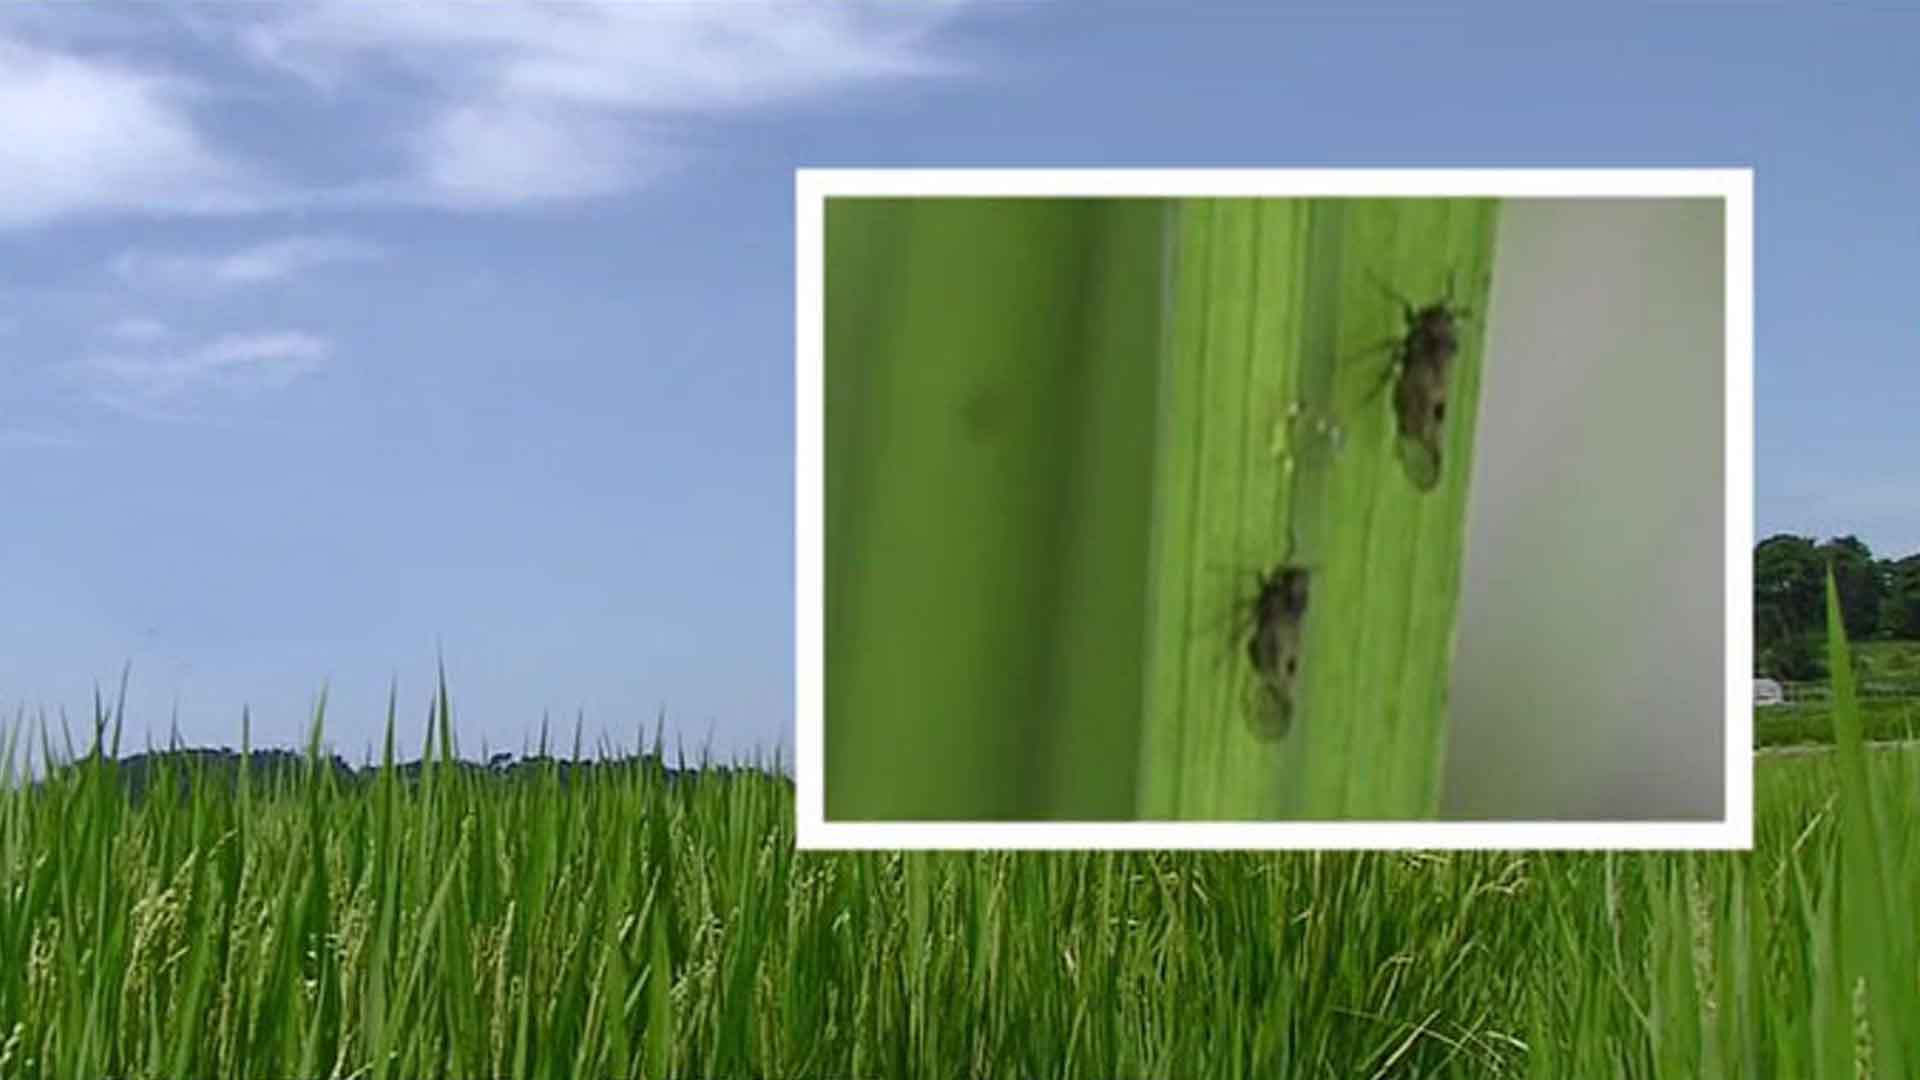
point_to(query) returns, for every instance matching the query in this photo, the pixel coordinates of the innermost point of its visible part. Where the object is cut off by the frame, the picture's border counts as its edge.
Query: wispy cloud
(501, 155)
(529, 103)
(38, 439)
(82, 134)
(276, 260)
(136, 331)
(178, 384)
(656, 56)
(479, 105)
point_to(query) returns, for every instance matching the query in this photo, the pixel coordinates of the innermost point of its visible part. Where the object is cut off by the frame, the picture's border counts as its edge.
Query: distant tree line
(270, 769)
(1879, 598)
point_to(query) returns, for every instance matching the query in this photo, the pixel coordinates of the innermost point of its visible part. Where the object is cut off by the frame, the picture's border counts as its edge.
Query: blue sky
(333, 332)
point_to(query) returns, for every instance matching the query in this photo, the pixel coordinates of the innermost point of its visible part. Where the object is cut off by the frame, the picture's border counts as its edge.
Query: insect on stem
(1278, 614)
(1421, 375)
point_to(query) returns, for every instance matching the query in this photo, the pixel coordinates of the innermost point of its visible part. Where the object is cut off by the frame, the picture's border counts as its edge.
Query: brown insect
(1277, 614)
(1421, 373)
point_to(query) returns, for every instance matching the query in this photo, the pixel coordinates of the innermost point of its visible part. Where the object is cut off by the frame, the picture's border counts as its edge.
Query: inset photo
(1274, 508)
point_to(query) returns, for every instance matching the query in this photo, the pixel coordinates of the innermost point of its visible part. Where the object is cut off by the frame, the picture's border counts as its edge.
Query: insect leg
(1387, 376)
(1346, 401)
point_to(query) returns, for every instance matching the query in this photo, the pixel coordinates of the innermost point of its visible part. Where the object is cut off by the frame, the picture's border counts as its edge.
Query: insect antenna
(1461, 314)
(1406, 306)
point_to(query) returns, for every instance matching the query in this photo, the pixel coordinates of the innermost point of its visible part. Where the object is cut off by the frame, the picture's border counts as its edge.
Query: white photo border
(812, 187)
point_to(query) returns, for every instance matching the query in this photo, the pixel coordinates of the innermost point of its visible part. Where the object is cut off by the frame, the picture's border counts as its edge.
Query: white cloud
(528, 103)
(652, 56)
(84, 134)
(137, 331)
(501, 154)
(261, 264)
(477, 105)
(174, 385)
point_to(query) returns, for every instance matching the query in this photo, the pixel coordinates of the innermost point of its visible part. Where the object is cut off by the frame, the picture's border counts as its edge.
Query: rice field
(642, 924)
(632, 926)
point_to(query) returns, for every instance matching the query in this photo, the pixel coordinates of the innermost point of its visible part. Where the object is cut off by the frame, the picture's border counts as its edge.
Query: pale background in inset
(1589, 681)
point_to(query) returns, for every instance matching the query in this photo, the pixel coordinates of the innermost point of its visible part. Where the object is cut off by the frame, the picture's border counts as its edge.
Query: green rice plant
(1878, 945)
(1279, 443)
(1062, 439)
(645, 922)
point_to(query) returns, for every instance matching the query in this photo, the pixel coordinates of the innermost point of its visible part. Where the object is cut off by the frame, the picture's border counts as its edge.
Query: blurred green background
(990, 367)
